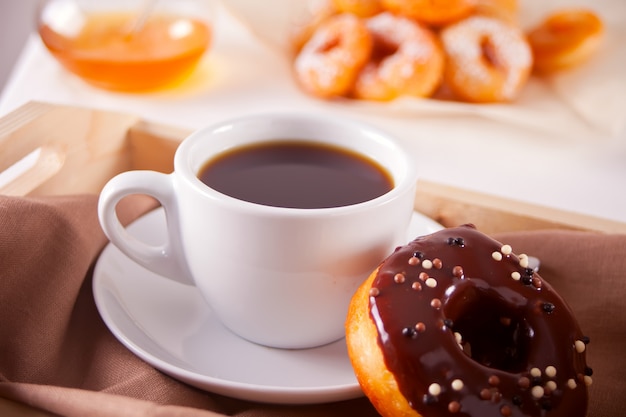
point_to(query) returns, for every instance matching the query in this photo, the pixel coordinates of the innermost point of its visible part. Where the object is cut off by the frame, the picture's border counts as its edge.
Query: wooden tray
(50, 150)
(69, 150)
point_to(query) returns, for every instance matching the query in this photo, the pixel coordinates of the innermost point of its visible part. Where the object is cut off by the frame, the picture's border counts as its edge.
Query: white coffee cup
(277, 276)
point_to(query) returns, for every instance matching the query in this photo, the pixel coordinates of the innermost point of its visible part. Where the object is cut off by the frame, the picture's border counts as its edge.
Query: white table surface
(580, 169)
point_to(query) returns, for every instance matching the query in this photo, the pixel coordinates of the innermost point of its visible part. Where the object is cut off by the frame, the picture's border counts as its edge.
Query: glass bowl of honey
(127, 45)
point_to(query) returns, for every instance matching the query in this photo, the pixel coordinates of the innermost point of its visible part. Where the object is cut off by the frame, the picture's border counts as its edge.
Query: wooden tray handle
(48, 149)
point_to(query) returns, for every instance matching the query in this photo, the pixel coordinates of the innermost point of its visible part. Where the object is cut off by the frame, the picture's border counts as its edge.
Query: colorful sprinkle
(399, 278)
(454, 407)
(413, 261)
(485, 394)
(548, 307)
(457, 385)
(429, 399)
(434, 389)
(416, 286)
(457, 271)
(374, 292)
(506, 411)
(523, 382)
(537, 391)
(435, 303)
(437, 263)
(420, 327)
(494, 380)
(423, 276)
(409, 332)
(523, 260)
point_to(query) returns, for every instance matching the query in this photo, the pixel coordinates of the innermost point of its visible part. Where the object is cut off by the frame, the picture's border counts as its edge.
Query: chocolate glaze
(507, 326)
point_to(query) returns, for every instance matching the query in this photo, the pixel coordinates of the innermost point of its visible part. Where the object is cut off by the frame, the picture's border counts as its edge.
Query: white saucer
(169, 325)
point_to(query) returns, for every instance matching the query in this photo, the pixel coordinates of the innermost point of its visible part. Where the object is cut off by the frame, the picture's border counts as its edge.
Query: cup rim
(183, 163)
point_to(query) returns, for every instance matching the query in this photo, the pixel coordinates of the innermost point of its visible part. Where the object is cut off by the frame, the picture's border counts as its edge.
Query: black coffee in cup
(296, 174)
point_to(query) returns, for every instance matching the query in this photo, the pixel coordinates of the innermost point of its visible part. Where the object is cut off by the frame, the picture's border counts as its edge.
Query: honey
(107, 52)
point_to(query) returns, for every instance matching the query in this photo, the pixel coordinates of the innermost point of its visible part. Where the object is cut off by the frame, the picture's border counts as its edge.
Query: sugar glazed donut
(329, 62)
(565, 39)
(432, 12)
(361, 8)
(406, 60)
(456, 323)
(488, 60)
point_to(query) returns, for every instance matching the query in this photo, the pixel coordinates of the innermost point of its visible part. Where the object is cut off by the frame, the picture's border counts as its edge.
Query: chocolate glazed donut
(466, 328)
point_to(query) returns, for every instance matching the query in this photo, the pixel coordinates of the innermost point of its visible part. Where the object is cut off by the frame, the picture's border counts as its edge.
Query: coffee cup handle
(166, 259)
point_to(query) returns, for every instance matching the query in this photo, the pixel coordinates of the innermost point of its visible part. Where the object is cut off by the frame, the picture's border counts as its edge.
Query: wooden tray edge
(98, 144)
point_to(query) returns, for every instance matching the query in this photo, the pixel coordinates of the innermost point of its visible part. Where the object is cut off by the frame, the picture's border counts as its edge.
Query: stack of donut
(471, 50)
(456, 323)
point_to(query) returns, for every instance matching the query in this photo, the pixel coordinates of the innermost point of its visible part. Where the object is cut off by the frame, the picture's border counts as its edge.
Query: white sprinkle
(535, 372)
(516, 276)
(550, 371)
(571, 383)
(506, 249)
(551, 385)
(457, 385)
(458, 337)
(588, 380)
(496, 256)
(427, 264)
(537, 391)
(434, 389)
(523, 260)
(431, 282)
(580, 346)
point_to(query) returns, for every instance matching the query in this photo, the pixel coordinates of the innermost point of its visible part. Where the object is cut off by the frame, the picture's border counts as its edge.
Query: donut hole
(489, 52)
(329, 45)
(491, 332)
(383, 48)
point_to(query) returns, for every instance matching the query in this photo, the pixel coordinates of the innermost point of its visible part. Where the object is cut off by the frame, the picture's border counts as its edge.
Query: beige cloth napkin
(57, 355)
